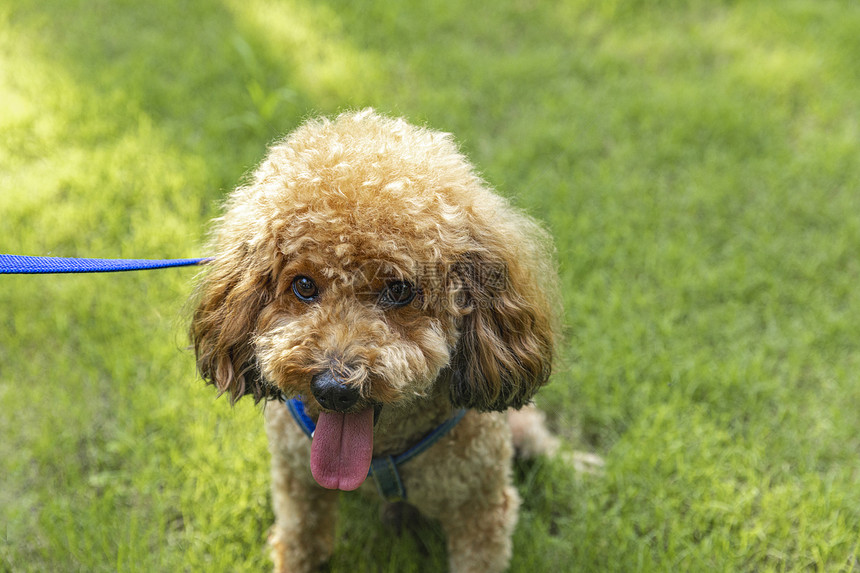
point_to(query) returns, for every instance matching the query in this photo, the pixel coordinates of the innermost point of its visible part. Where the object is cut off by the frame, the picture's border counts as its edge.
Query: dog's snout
(332, 394)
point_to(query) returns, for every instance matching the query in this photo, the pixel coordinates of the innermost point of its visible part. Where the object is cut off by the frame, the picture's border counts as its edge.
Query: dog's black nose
(332, 394)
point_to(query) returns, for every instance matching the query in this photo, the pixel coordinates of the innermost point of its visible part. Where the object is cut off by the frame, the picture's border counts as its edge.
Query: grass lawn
(697, 161)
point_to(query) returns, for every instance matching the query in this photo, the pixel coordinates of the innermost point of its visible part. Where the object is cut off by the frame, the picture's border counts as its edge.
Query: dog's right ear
(506, 292)
(506, 344)
(230, 300)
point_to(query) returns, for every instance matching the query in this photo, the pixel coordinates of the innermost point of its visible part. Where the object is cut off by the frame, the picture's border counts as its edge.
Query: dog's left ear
(508, 298)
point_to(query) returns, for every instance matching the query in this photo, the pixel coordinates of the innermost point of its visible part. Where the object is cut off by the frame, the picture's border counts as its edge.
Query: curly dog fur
(367, 269)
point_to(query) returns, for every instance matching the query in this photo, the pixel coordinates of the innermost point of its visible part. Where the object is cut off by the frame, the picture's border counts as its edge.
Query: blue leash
(21, 265)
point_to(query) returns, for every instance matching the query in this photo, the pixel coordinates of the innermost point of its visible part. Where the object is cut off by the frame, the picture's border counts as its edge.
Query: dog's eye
(397, 293)
(304, 288)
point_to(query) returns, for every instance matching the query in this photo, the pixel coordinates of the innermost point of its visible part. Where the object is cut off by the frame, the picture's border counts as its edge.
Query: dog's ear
(507, 336)
(230, 299)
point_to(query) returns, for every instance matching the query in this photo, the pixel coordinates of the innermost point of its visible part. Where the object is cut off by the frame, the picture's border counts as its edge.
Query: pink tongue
(341, 449)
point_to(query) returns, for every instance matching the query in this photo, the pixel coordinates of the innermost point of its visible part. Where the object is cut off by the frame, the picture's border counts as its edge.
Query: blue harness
(384, 468)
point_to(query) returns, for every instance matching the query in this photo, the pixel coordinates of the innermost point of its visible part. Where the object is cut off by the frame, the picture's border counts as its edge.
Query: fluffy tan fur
(354, 204)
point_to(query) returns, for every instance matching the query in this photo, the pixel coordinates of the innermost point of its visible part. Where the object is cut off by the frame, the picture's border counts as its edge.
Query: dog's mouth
(342, 447)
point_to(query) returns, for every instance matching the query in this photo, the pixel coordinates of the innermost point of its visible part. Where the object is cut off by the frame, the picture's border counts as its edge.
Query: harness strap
(297, 409)
(387, 479)
(383, 469)
(18, 264)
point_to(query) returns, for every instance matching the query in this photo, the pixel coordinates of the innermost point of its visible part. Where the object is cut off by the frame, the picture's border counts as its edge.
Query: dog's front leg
(465, 482)
(302, 537)
(479, 533)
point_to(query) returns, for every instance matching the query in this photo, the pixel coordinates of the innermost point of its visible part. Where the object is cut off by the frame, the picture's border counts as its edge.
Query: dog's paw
(584, 462)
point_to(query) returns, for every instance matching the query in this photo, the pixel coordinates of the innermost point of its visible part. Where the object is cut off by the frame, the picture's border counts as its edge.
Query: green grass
(696, 161)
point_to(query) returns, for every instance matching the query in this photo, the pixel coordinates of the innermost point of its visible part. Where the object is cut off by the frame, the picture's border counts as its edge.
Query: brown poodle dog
(367, 271)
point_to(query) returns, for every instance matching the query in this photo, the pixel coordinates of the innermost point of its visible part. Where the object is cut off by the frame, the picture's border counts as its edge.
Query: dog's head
(365, 262)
